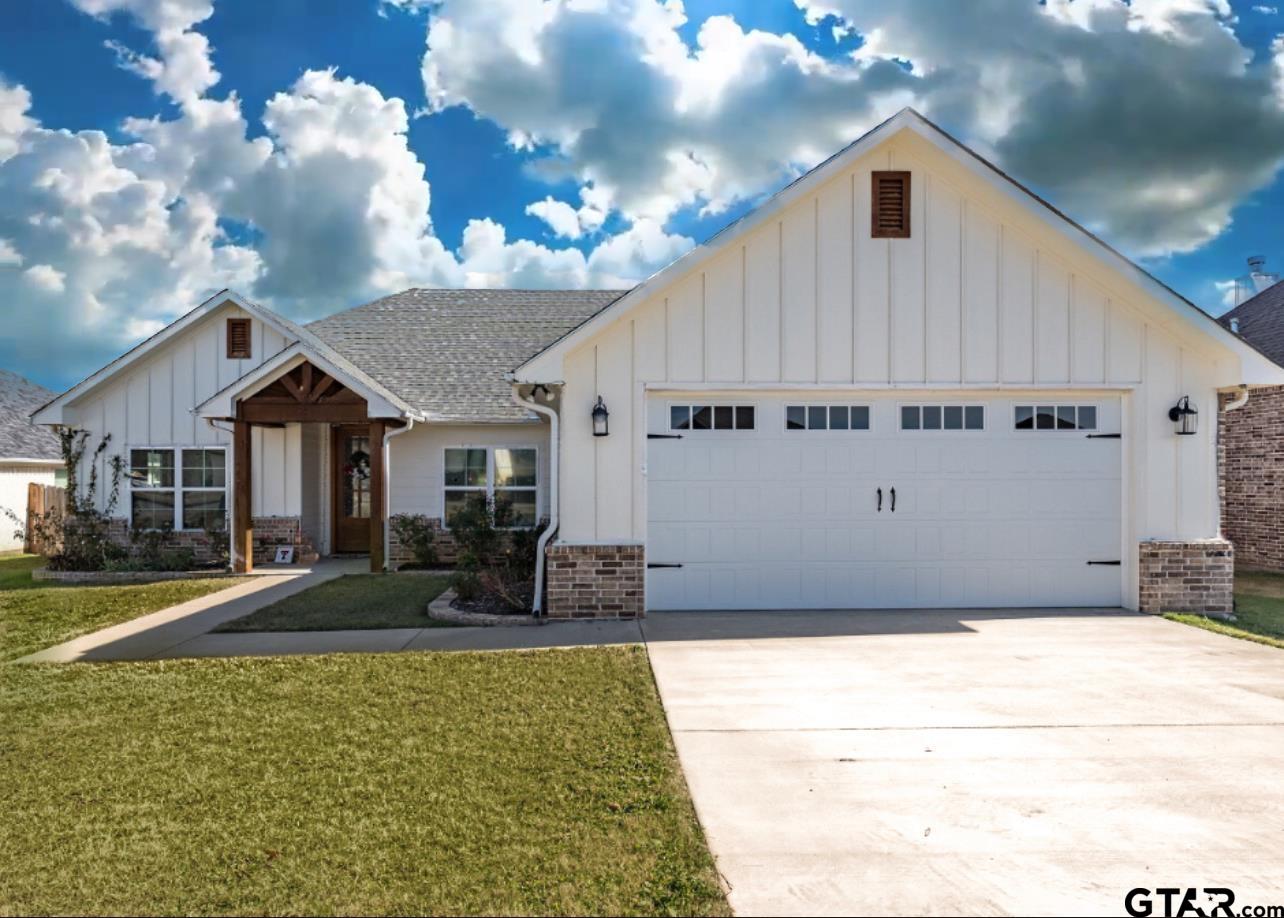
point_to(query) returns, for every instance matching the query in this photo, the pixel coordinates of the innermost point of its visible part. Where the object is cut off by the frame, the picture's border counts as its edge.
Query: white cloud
(1267, 10)
(1098, 103)
(46, 278)
(184, 69)
(9, 256)
(561, 217)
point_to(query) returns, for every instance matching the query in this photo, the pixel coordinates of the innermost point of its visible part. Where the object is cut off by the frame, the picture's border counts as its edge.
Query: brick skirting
(269, 532)
(1250, 451)
(596, 581)
(447, 549)
(1196, 576)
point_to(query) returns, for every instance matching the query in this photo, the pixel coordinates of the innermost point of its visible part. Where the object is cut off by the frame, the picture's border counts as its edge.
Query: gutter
(537, 604)
(1239, 401)
(387, 488)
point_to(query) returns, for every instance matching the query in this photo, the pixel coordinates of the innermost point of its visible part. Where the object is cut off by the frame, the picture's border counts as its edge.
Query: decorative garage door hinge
(1104, 436)
(1107, 563)
(652, 436)
(651, 564)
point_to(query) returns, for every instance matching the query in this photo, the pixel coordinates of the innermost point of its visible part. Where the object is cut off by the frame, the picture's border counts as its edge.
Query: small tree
(79, 535)
(496, 556)
(415, 531)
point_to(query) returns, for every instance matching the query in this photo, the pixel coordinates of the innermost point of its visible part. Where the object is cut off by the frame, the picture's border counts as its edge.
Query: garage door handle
(1107, 563)
(652, 436)
(880, 500)
(893, 500)
(655, 564)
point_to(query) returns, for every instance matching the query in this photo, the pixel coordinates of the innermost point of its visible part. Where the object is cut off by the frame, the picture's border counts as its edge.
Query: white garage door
(790, 502)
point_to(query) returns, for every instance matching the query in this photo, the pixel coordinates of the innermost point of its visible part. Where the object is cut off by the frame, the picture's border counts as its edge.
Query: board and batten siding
(416, 472)
(981, 296)
(150, 404)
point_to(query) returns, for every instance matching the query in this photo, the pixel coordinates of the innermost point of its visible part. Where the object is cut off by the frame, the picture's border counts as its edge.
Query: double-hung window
(189, 495)
(506, 473)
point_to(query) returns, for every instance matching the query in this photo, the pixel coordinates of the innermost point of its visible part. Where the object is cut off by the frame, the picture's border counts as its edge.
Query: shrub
(495, 559)
(415, 531)
(77, 536)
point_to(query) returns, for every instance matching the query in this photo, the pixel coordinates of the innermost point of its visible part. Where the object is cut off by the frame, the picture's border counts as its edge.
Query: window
(890, 205)
(204, 488)
(238, 339)
(711, 417)
(160, 499)
(499, 472)
(826, 417)
(942, 417)
(1055, 417)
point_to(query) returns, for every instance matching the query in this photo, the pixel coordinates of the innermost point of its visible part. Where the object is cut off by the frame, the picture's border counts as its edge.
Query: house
(28, 454)
(1252, 443)
(903, 381)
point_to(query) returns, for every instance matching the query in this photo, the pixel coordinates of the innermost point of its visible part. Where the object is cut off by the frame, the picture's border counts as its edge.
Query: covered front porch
(321, 478)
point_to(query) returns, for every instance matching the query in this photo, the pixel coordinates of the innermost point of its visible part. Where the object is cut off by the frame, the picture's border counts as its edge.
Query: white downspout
(387, 489)
(554, 448)
(1238, 401)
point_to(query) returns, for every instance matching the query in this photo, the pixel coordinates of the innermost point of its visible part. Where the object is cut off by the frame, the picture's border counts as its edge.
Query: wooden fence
(40, 500)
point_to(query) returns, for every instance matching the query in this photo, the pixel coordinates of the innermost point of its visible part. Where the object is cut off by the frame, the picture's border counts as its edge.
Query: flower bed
(443, 610)
(44, 573)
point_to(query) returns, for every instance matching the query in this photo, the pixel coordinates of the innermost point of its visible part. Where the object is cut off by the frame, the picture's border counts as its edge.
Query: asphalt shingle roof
(1261, 321)
(19, 438)
(446, 352)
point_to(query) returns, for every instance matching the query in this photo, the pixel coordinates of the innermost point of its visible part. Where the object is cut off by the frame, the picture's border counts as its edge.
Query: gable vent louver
(238, 339)
(891, 205)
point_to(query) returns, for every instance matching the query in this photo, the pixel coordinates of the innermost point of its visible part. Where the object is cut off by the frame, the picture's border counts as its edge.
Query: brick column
(1187, 576)
(596, 581)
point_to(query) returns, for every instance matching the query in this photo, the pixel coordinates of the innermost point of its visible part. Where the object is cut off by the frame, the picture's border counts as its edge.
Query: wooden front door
(353, 495)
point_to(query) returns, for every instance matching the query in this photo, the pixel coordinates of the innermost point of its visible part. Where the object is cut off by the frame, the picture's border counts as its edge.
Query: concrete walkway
(975, 763)
(160, 633)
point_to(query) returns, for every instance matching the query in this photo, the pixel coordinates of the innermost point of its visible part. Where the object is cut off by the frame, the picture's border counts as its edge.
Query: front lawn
(35, 615)
(352, 601)
(490, 783)
(1259, 610)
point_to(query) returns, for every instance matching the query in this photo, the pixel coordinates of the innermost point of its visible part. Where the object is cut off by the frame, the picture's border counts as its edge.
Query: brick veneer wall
(1187, 576)
(269, 532)
(596, 581)
(447, 549)
(1250, 452)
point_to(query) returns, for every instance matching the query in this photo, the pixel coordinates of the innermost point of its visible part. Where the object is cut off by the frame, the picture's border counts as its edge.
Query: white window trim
(178, 489)
(942, 430)
(489, 489)
(784, 418)
(712, 403)
(1036, 404)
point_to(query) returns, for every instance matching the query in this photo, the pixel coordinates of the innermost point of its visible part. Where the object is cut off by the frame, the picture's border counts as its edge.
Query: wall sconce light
(600, 416)
(1185, 416)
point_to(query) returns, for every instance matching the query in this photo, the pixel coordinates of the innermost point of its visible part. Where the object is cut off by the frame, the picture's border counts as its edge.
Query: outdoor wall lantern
(1184, 415)
(600, 416)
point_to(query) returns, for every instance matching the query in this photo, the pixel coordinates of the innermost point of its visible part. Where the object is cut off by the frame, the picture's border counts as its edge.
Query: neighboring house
(1252, 444)
(28, 454)
(903, 381)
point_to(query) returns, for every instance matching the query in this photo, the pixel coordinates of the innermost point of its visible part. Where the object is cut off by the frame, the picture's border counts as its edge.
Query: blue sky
(315, 153)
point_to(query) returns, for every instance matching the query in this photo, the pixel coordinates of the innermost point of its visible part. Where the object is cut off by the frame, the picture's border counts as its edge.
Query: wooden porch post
(242, 527)
(376, 497)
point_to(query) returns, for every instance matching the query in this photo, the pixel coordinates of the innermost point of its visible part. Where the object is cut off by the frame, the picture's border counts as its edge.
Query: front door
(352, 494)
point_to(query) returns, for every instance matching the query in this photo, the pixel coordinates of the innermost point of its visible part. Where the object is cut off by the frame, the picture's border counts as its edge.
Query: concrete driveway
(975, 763)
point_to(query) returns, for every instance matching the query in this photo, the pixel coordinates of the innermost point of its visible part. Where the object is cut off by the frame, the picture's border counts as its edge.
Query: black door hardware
(1104, 436)
(652, 436)
(1107, 563)
(880, 500)
(893, 500)
(651, 564)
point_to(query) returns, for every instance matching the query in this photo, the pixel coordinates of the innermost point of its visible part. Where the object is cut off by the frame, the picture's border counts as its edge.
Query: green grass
(353, 601)
(490, 783)
(1259, 611)
(35, 615)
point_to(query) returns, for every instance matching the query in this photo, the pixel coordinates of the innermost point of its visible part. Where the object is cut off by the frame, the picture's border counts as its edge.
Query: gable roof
(447, 352)
(51, 411)
(1261, 321)
(19, 437)
(545, 366)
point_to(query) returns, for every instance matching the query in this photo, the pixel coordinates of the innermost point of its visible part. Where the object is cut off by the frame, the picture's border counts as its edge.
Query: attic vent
(891, 199)
(238, 339)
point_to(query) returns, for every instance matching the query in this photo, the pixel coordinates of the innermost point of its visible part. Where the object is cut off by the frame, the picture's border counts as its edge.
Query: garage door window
(1055, 417)
(711, 417)
(826, 417)
(942, 417)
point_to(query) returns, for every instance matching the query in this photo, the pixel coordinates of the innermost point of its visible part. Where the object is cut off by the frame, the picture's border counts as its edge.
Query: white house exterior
(821, 407)
(28, 454)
